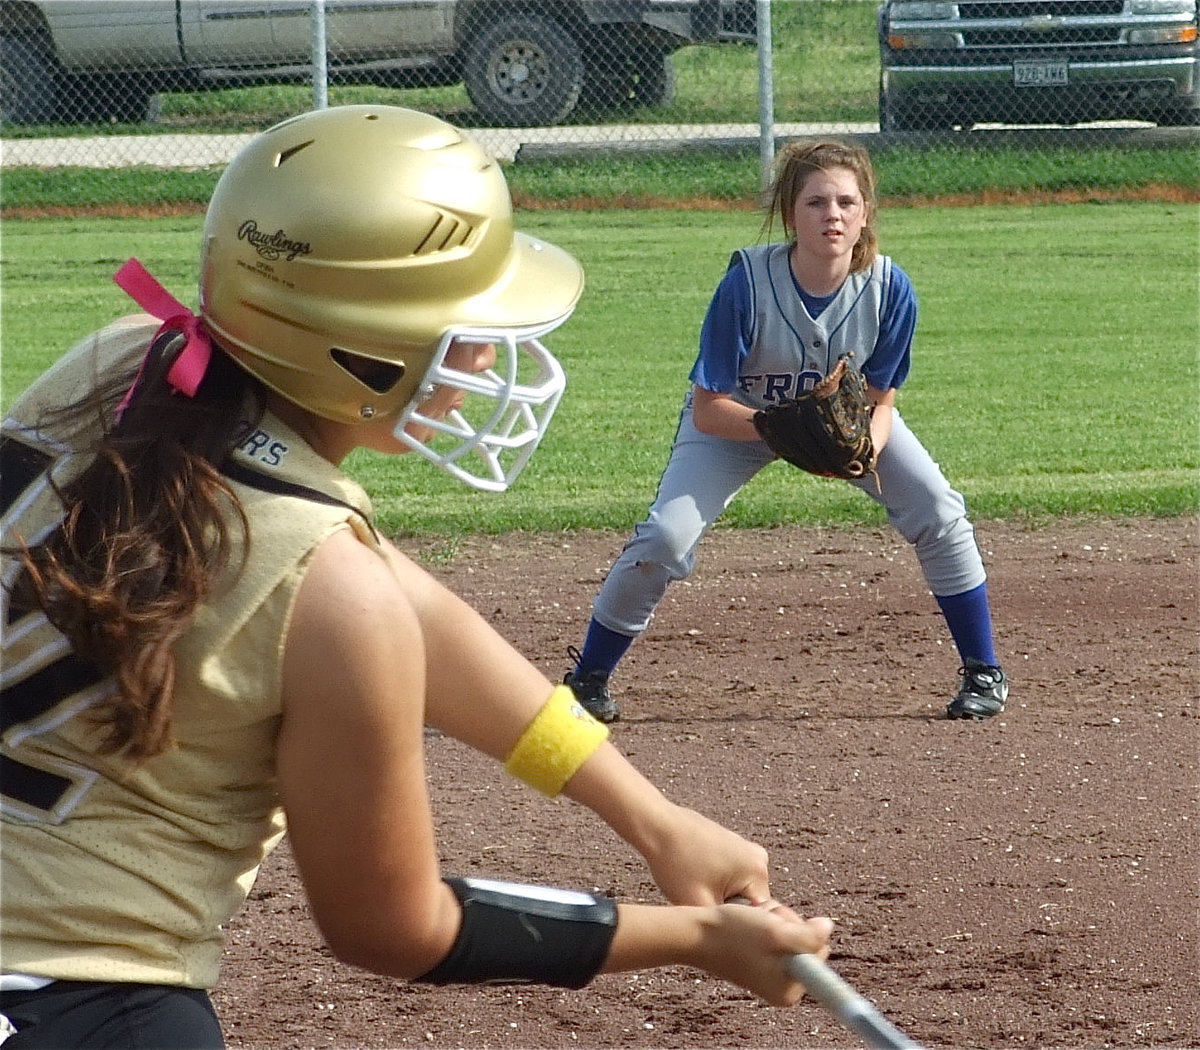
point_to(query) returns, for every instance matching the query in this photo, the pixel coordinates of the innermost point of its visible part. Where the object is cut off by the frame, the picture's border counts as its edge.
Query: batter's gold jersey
(113, 871)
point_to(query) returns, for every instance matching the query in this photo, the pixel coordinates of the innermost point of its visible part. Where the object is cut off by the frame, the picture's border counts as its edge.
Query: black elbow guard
(518, 933)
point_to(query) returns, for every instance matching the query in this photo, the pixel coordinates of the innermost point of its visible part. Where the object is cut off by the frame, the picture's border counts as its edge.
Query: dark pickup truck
(1037, 61)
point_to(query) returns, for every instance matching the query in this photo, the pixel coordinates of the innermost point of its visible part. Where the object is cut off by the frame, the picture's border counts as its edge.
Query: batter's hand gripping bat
(838, 996)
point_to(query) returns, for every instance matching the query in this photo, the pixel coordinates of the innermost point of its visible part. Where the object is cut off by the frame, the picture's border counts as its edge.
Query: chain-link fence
(183, 83)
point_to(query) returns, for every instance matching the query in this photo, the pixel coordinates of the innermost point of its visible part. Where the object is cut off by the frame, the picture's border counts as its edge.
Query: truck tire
(103, 99)
(655, 85)
(523, 70)
(646, 78)
(28, 86)
(894, 116)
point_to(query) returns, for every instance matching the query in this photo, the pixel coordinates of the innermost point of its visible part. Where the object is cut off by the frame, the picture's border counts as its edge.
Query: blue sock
(603, 649)
(969, 618)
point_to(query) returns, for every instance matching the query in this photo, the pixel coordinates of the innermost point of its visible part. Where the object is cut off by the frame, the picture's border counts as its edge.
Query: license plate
(1039, 74)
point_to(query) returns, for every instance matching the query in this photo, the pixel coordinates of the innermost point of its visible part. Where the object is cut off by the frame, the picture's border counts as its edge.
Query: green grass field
(614, 180)
(1055, 369)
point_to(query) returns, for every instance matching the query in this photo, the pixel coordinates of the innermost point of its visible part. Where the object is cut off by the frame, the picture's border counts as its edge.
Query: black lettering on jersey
(34, 787)
(259, 445)
(778, 386)
(28, 698)
(28, 705)
(807, 380)
(20, 466)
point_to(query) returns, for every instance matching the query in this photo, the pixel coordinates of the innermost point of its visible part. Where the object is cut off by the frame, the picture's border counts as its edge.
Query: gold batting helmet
(345, 249)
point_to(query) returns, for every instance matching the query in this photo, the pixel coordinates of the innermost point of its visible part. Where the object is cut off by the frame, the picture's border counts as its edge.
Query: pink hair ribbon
(189, 367)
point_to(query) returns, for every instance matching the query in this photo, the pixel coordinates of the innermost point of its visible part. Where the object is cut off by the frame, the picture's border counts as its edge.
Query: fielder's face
(828, 214)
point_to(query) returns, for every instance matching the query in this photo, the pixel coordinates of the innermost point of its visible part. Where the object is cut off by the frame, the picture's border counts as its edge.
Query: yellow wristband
(561, 737)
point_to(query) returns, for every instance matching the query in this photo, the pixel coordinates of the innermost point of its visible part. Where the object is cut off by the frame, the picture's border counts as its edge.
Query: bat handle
(855, 1011)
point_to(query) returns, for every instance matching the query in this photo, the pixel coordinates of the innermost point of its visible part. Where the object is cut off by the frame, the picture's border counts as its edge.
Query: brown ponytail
(150, 524)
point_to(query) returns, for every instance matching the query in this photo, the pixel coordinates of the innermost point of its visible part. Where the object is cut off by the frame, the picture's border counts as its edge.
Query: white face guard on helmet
(487, 440)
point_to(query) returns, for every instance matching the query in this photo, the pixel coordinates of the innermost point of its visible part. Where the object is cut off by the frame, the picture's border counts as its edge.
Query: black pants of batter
(103, 1016)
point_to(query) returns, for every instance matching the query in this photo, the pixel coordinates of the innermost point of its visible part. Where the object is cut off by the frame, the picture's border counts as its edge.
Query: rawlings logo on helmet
(272, 245)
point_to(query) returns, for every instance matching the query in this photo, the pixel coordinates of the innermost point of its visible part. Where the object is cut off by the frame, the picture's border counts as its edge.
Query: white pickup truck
(524, 62)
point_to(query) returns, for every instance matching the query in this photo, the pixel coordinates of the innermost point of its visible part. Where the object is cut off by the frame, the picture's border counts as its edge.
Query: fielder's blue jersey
(765, 338)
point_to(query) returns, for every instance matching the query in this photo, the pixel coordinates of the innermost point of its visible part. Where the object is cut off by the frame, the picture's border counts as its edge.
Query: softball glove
(826, 431)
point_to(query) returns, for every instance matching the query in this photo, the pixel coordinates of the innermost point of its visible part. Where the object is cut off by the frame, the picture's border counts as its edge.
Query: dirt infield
(1033, 881)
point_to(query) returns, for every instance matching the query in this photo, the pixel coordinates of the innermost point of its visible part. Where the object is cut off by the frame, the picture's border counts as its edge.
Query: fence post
(766, 91)
(320, 70)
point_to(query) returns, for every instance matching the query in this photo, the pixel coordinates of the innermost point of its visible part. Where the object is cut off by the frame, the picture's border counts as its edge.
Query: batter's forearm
(649, 936)
(612, 788)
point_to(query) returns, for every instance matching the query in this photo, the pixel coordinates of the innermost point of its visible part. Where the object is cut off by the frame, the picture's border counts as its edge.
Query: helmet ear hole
(379, 376)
